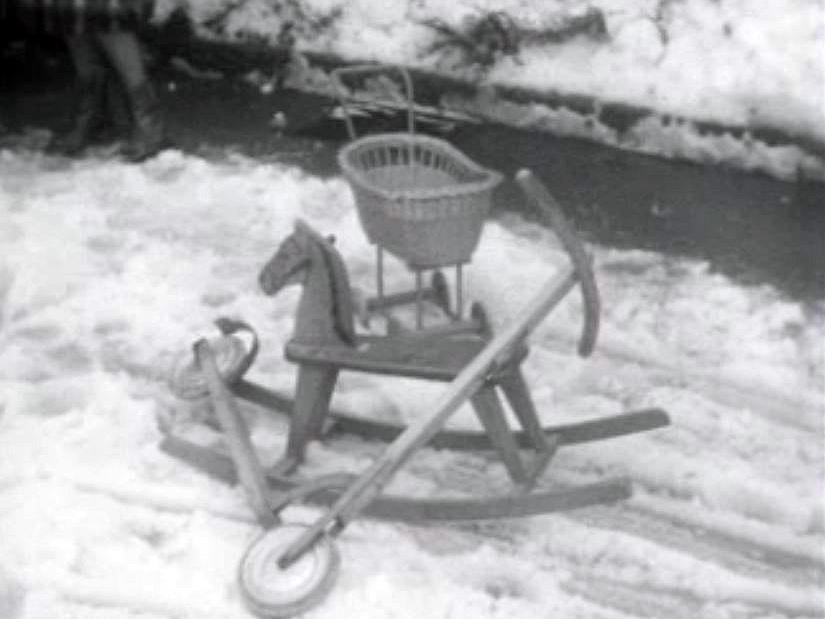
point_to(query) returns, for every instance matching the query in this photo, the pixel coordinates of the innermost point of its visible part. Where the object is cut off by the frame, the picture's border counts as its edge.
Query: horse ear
(344, 310)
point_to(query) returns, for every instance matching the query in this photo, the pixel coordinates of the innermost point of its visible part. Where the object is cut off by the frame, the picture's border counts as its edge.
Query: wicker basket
(418, 197)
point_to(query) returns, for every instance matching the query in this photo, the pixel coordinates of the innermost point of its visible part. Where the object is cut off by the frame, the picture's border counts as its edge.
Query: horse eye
(292, 247)
(331, 239)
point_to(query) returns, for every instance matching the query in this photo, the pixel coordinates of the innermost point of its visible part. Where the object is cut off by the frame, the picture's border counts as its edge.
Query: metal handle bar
(340, 91)
(554, 215)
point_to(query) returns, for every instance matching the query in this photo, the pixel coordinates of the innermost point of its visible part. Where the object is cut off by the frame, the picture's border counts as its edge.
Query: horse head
(306, 257)
(289, 264)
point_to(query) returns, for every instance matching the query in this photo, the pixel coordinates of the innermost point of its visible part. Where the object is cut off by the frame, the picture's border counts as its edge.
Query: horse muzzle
(269, 284)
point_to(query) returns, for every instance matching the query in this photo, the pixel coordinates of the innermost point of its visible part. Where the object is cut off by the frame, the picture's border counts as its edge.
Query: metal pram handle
(341, 91)
(553, 215)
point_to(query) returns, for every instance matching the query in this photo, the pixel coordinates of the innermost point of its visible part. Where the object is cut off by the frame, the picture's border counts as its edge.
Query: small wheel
(271, 591)
(187, 381)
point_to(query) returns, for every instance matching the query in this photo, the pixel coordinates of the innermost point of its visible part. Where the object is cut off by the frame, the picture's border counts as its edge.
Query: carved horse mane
(325, 311)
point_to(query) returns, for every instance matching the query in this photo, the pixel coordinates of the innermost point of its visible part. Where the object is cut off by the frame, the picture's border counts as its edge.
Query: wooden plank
(598, 429)
(427, 358)
(399, 298)
(430, 357)
(412, 510)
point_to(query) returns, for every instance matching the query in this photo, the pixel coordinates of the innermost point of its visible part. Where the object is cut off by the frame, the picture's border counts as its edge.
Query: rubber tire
(309, 594)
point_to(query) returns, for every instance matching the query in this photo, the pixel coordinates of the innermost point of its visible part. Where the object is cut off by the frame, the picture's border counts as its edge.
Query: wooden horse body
(324, 342)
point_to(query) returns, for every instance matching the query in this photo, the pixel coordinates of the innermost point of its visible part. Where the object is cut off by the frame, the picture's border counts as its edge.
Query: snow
(737, 63)
(110, 271)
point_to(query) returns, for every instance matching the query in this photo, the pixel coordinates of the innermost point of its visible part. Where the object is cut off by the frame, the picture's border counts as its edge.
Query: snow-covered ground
(109, 270)
(743, 64)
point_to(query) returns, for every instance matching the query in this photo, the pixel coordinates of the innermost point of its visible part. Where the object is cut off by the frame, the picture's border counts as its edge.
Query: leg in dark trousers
(90, 103)
(148, 132)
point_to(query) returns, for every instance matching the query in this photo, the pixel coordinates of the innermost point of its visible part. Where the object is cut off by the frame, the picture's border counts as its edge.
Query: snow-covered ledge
(719, 81)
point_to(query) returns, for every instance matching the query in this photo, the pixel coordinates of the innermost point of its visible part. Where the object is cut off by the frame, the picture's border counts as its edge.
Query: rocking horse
(324, 342)
(290, 567)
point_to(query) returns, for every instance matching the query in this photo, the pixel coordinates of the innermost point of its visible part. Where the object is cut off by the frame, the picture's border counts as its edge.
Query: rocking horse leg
(329, 377)
(491, 413)
(518, 394)
(312, 397)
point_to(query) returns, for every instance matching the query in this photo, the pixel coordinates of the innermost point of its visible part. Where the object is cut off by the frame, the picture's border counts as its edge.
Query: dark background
(751, 227)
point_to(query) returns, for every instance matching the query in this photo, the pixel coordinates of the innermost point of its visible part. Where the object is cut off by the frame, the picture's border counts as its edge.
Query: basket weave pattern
(418, 197)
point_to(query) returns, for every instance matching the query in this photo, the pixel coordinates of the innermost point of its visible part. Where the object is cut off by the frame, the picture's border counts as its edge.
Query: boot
(118, 109)
(89, 116)
(148, 130)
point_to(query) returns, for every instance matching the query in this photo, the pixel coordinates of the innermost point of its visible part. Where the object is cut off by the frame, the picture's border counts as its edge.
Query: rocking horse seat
(437, 358)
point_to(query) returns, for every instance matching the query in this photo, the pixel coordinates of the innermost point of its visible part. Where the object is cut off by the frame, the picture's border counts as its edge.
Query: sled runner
(290, 567)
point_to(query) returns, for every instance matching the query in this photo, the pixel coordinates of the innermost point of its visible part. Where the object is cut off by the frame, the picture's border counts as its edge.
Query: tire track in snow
(511, 537)
(712, 546)
(785, 549)
(765, 576)
(670, 603)
(664, 521)
(178, 499)
(99, 593)
(652, 603)
(633, 584)
(798, 410)
(628, 586)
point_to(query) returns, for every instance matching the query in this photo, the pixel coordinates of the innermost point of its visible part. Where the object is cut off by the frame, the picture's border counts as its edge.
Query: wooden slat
(425, 357)
(629, 422)
(412, 510)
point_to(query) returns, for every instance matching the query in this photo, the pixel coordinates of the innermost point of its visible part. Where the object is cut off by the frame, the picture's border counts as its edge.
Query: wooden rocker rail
(327, 490)
(567, 434)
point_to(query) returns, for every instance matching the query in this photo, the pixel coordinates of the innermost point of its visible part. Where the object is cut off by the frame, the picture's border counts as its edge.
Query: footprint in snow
(217, 298)
(41, 332)
(70, 359)
(12, 596)
(56, 397)
(499, 583)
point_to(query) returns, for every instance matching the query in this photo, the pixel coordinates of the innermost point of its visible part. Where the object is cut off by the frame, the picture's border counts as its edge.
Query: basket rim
(491, 180)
